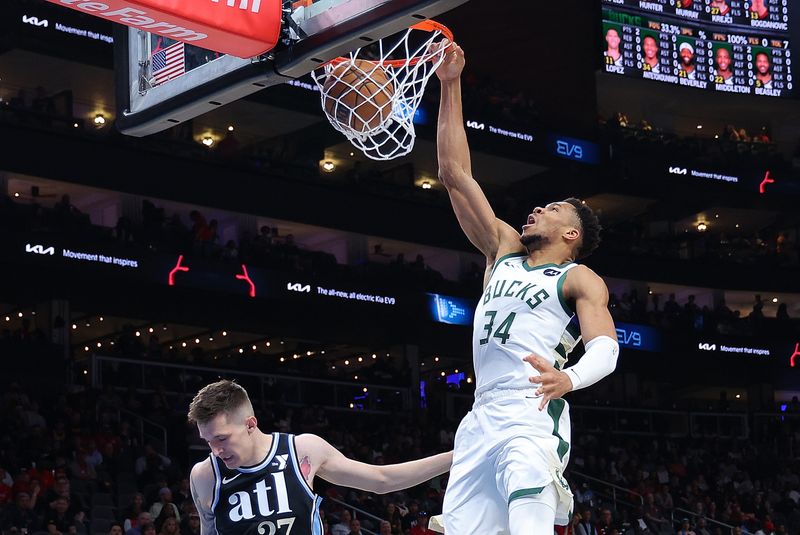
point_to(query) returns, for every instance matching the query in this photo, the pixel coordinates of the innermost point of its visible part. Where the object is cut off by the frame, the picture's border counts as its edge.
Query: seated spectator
(131, 514)
(142, 519)
(355, 527)
(164, 508)
(20, 516)
(343, 526)
(422, 525)
(57, 519)
(169, 527)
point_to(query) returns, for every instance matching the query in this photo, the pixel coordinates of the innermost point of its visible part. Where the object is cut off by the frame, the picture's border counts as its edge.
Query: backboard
(161, 82)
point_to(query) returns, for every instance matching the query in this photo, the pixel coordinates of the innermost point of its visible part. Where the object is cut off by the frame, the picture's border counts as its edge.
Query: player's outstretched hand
(453, 63)
(552, 383)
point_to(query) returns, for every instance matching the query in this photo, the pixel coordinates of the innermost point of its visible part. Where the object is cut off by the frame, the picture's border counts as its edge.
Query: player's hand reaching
(453, 63)
(552, 383)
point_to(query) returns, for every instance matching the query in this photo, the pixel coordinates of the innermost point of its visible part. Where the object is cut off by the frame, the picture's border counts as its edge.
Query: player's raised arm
(475, 215)
(381, 479)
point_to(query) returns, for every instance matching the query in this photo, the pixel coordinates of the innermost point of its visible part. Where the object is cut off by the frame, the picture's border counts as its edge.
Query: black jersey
(270, 498)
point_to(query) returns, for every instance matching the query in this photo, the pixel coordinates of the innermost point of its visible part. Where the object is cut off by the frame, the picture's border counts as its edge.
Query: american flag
(168, 63)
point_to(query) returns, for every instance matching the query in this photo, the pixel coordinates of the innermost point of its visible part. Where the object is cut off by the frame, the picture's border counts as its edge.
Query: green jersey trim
(561, 299)
(543, 266)
(554, 408)
(521, 493)
(505, 257)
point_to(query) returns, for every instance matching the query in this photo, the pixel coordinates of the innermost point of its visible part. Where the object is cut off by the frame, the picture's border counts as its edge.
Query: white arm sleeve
(599, 360)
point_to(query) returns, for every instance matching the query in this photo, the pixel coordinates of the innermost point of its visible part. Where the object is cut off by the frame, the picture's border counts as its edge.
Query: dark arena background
(254, 243)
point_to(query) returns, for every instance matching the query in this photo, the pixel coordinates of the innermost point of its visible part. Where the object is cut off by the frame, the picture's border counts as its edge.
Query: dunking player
(259, 484)
(512, 448)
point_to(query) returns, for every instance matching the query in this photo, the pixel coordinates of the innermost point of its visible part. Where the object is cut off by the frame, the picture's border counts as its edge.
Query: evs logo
(476, 125)
(243, 4)
(298, 287)
(39, 249)
(678, 171)
(572, 148)
(629, 337)
(34, 21)
(564, 148)
(704, 346)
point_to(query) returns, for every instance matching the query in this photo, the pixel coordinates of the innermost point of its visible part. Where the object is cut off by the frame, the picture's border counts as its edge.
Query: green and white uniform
(505, 447)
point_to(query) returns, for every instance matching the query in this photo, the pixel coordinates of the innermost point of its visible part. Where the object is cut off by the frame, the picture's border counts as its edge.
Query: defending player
(512, 448)
(254, 483)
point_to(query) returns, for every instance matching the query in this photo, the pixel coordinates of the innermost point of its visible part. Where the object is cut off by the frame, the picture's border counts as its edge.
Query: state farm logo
(298, 287)
(34, 21)
(243, 4)
(39, 249)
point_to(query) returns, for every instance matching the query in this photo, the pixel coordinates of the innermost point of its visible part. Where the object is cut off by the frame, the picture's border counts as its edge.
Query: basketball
(359, 94)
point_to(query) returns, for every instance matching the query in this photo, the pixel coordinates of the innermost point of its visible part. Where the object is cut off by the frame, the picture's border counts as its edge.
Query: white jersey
(522, 311)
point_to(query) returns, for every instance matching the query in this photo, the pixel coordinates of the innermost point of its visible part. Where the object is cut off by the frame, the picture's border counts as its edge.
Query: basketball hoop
(372, 94)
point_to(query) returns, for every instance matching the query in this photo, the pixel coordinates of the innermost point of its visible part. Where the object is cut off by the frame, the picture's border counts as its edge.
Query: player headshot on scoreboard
(685, 4)
(723, 72)
(650, 59)
(688, 67)
(763, 69)
(758, 10)
(612, 54)
(720, 7)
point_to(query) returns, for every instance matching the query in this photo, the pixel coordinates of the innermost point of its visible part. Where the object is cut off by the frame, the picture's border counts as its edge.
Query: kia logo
(34, 21)
(677, 170)
(39, 249)
(297, 287)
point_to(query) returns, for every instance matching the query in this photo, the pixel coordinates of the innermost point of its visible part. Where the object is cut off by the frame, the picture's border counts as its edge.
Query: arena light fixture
(99, 120)
(230, 128)
(774, 299)
(699, 127)
(328, 166)
(364, 390)
(469, 380)
(355, 377)
(702, 227)
(426, 184)
(207, 141)
(16, 194)
(74, 326)
(75, 125)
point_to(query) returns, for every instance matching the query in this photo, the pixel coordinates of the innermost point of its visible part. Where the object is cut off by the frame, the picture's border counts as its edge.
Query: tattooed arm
(327, 462)
(201, 481)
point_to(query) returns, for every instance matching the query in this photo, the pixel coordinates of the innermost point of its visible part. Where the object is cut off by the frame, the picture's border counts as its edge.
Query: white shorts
(505, 449)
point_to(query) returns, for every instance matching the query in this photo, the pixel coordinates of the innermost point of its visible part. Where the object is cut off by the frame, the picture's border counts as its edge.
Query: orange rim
(426, 26)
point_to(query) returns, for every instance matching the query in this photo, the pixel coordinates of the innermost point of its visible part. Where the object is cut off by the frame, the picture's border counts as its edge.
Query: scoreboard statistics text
(732, 46)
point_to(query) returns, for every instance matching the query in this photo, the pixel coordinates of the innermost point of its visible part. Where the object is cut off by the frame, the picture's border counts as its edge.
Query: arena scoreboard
(731, 46)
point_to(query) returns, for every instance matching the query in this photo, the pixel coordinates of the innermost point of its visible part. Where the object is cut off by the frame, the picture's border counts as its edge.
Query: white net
(371, 96)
